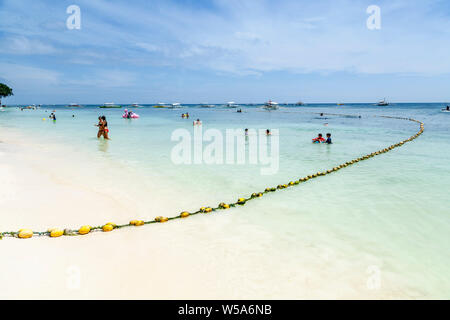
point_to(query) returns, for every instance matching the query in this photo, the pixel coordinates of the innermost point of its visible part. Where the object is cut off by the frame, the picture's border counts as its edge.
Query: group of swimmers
(102, 128)
(321, 139)
(268, 133)
(185, 115)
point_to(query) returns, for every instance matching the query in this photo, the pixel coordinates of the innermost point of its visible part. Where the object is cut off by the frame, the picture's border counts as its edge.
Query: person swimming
(319, 139)
(268, 133)
(328, 141)
(246, 132)
(197, 122)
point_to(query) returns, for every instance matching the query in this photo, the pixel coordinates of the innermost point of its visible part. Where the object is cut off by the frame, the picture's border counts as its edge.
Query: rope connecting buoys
(108, 227)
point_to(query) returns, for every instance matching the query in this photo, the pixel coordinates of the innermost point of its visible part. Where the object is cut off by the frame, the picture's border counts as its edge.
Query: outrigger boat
(383, 103)
(271, 105)
(74, 105)
(205, 105)
(175, 105)
(232, 104)
(110, 105)
(160, 105)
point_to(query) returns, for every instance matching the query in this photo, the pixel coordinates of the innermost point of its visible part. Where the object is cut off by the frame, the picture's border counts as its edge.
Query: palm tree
(5, 91)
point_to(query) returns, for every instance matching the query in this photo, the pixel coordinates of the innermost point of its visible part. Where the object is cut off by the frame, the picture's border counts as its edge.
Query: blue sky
(190, 51)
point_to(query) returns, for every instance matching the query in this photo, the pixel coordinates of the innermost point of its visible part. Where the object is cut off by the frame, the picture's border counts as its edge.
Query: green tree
(5, 91)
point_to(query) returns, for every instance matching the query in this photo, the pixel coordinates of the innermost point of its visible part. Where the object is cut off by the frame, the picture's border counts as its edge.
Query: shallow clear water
(392, 208)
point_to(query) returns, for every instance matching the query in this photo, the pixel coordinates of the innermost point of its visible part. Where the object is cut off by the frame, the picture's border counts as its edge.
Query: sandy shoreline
(203, 257)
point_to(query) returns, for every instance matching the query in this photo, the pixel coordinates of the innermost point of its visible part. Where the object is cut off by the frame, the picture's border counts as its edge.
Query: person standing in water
(105, 128)
(100, 126)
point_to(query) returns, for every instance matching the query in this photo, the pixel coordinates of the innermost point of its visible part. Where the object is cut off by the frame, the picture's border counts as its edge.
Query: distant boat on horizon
(110, 105)
(74, 105)
(300, 103)
(383, 103)
(271, 105)
(232, 104)
(175, 105)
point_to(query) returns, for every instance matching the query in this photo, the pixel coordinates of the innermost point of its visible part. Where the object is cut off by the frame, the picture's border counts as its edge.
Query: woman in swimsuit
(101, 127)
(105, 128)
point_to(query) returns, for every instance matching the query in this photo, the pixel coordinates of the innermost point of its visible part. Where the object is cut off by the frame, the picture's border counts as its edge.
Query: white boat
(232, 104)
(135, 105)
(205, 105)
(175, 105)
(271, 105)
(383, 103)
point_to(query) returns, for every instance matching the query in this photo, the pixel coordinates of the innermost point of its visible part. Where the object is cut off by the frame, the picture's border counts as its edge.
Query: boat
(271, 105)
(205, 105)
(175, 105)
(383, 103)
(340, 104)
(300, 103)
(232, 104)
(135, 105)
(110, 105)
(74, 105)
(446, 109)
(161, 105)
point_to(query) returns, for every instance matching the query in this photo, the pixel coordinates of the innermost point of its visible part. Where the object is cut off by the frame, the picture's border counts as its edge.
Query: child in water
(328, 139)
(319, 139)
(197, 122)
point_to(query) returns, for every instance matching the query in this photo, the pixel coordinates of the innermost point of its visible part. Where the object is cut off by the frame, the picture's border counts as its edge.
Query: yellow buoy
(107, 228)
(139, 223)
(54, 233)
(133, 222)
(184, 214)
(25, 233)
(84, 230)
(224, 205)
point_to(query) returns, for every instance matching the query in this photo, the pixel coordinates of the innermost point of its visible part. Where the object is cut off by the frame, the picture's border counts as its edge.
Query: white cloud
(22, 45)
(22, 75)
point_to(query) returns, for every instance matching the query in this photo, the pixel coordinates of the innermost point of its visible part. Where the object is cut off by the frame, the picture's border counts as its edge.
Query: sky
(198, 51)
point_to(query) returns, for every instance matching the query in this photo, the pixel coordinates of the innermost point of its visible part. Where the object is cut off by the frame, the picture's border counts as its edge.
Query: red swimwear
(318, 139)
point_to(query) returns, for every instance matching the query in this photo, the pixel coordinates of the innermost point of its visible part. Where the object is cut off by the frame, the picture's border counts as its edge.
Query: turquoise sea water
(393, 208)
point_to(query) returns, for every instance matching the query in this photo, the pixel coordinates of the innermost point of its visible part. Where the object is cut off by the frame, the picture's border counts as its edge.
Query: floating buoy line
(110, 226)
